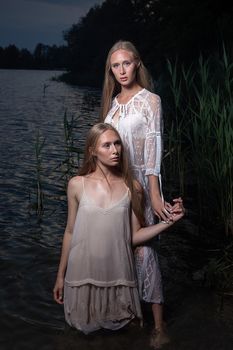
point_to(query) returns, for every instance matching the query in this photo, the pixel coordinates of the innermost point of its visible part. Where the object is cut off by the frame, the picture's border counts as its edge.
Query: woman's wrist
(60, 275)
(166, 222)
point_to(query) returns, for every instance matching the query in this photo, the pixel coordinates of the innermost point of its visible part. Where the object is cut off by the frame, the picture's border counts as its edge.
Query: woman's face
(124, 66)
(108, 149)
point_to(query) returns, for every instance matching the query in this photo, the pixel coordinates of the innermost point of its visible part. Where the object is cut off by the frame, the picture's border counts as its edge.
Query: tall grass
(73, 153)
(69, 144)
(177, 153)
(219, 271)
(201, 135)
(39, 144)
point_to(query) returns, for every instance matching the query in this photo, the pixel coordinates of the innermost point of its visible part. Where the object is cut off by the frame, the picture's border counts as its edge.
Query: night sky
(25, 23)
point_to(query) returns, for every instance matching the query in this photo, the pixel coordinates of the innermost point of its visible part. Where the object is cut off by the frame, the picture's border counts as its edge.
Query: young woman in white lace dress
(129, 104)
(96, 271)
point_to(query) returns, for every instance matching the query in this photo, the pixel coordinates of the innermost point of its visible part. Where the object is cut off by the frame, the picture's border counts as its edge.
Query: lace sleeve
(153, 142)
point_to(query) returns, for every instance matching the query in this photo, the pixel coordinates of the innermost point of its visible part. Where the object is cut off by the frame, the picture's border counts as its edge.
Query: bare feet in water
(159, 337)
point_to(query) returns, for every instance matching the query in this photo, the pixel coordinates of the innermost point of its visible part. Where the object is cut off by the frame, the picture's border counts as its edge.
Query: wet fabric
(100, 283)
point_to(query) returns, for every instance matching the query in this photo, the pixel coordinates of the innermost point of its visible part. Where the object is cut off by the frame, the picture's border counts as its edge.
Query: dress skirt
(89, 307)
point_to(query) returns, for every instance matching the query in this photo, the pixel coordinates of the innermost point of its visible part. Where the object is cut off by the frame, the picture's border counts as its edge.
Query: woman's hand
(178, 209)
(161, 209)
(177, 206)
(168, 212)
(58, 290)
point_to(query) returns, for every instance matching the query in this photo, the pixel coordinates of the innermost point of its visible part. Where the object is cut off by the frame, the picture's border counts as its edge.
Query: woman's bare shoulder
(75, 182)
(75, 188)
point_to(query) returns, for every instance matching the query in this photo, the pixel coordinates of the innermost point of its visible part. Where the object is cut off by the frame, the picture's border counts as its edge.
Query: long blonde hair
(111, 87)
(90, 164)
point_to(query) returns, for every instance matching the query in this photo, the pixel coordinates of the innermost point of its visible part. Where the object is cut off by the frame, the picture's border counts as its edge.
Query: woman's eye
(118, 143)
(127, 63)
(115, 65)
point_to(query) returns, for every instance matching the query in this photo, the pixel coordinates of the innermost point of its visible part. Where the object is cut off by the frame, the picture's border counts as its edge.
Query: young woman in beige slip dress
(135, 111)
(96, 271)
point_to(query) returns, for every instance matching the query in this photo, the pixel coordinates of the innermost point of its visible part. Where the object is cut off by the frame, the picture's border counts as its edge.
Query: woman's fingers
(164, 214)
(167, 206)
(170, 212)
(58, 295)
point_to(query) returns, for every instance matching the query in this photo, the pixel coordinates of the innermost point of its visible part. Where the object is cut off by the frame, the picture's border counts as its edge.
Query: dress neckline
(125, 104)
(111, 206)
(92, 203)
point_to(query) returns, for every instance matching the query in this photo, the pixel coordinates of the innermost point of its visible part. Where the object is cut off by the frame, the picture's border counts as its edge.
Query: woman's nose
(114, 149)
(122, 69)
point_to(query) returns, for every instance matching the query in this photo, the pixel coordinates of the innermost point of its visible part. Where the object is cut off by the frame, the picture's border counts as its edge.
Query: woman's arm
(142, 234)
(161, 209)
(153, 156)
(72, 197)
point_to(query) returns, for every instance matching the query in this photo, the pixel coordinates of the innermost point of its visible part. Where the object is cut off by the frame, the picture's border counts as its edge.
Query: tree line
(43, 57)
(161, 29)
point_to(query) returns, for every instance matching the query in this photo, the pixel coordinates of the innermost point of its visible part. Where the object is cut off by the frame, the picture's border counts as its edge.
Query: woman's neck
(127, 92)
(105, 173)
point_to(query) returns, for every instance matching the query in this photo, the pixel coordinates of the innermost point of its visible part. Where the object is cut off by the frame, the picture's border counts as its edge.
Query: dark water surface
(30, 247)
(31, 102)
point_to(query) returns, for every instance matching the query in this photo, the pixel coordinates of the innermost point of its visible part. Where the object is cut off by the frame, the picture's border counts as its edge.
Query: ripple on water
(30, 245)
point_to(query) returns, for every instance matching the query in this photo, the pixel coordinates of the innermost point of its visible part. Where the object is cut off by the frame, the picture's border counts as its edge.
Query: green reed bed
(66, 168)
(39, 203)
(176, 153)
(199, 157)
(73, 153)
(219, 271)
(200, 135)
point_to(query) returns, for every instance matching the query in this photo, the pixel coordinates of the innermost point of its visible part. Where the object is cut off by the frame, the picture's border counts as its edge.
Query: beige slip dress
(100, 285)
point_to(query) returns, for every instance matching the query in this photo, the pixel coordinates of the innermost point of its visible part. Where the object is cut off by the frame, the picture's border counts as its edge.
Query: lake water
(30, 103)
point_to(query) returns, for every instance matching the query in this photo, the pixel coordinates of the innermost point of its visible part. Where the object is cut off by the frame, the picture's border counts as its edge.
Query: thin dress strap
(83, 184)
(83, 196)
(128, 190)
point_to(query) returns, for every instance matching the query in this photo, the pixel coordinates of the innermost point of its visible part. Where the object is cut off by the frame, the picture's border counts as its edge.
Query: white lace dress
(140, 127)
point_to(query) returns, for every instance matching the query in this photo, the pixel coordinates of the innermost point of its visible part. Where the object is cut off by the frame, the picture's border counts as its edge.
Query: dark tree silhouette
(10, 57)
(44, 57)
(91, 38)
(161, 29)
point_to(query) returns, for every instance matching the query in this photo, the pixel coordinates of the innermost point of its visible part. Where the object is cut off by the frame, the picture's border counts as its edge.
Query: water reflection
(30, 248)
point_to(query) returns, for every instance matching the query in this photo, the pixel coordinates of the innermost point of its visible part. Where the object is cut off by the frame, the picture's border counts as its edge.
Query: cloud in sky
(25, 23)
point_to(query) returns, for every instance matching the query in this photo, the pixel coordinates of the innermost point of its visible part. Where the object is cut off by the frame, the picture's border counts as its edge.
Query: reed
(39, 144)
(201, 136)
(67, 168)
(219, 271)
(176, 150)
(73, 153)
